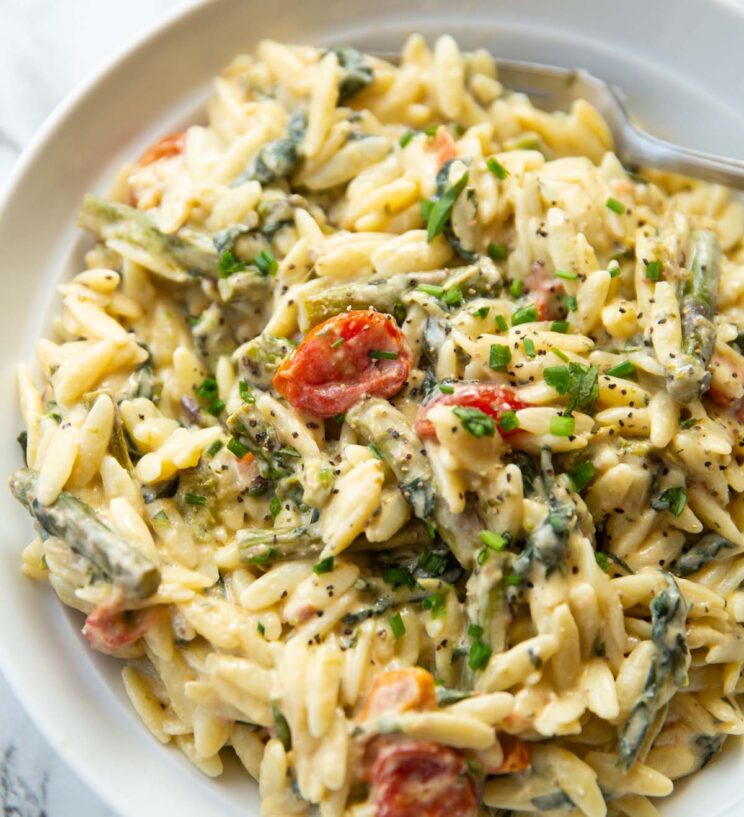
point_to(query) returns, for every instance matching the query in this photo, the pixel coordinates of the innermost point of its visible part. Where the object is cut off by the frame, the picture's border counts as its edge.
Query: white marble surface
(47, 47)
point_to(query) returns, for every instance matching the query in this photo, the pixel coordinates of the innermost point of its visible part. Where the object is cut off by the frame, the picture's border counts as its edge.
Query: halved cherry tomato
(349, 357)
(516, 755)
(109, 628)
(170, 145)
(412, 778)
(444, 144)
(490, 398)
(400, 690)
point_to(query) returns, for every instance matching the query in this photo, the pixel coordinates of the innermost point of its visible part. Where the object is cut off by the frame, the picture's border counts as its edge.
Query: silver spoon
(552, 88)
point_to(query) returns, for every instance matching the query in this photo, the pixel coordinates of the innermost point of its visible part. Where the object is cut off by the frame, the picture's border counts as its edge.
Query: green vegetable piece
(323, 566)
(615, 205)
(497, 252)
(478, 655)
(442, 209)
(474, 421)
(624, 369)
(672, 499)
(508, 421)
(397, 626)
(236, 447)
(495, 166)
(493, 540)
(582, 474)
(562, 426)
(525, 314)
(499, 356)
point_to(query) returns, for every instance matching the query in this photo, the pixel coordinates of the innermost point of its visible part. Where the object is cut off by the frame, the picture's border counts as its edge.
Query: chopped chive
(582, 474)
(397, 626)
(160, 518)
(194, 499)
(215, 447)
(479, 655)
(529, 347)
(381, 354)
(207, 388)
(566, 274)
(398, 577)
(475, 631)
(499, 356)
(495, 166)
(481, 312)
(493, 540)
(375, 450)
(266, 263)
(653, 271)
(339, 418)
(525, 314)
(624, 369)
(230, 264)
(275, 506)
(561, 354)
(508, 421)
(406, 138)
(216, 406)
(431, 130)
(614, 271)
(323, 566)
(236, 447)
(513, 580)
(688, 423)
(337, 343)
(435, 604)
(261, 629)
(482, 556)
(452, 296)
(602, 560)
(446, 388)
(571, 303)
(615, 205)
(516, 288)
(497, 252)
(431, 289)
(501, 323)
(562, 426)
(559, 326)
(475, 422)
(246, 395)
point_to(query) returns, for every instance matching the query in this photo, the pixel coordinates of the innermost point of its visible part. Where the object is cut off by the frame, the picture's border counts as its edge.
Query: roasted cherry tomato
(411, 778)
(170, 145)
(349, 357)
(490, 398)
(400, 690)
(516, 755)
(109, 628)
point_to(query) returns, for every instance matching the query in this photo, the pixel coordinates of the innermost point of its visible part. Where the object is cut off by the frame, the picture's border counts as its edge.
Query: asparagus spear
(274, 460)
(389, 431)
(315, 307)
(304, 542)
(184, 252)
(259, 358)
(668, 669)
(76, 523)
(689, 377)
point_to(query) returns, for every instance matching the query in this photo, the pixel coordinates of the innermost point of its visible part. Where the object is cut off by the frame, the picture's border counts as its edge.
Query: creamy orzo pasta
(391, 437)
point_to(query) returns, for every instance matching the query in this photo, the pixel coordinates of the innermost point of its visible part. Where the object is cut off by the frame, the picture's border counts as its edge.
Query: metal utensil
(552, 88)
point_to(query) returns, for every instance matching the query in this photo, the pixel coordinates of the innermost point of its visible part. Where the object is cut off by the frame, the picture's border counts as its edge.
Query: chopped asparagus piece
(259, 358)
(78, 526)
(668, 669)
(248, 425)
(315, 307)
(689, 377)
(185, 252)
(213, 336)
(388, 430)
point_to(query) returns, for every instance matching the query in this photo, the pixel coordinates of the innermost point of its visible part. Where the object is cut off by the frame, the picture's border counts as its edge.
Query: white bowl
(681, 64)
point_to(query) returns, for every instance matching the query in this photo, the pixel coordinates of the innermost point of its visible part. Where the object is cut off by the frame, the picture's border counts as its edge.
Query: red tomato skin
(165, 148)
(546, 291)
(491, 399)
(109, 629)
(411, 778)
(331, 369)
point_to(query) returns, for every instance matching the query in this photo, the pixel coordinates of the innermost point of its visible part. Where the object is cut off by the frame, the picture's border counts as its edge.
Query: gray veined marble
(46, 48)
